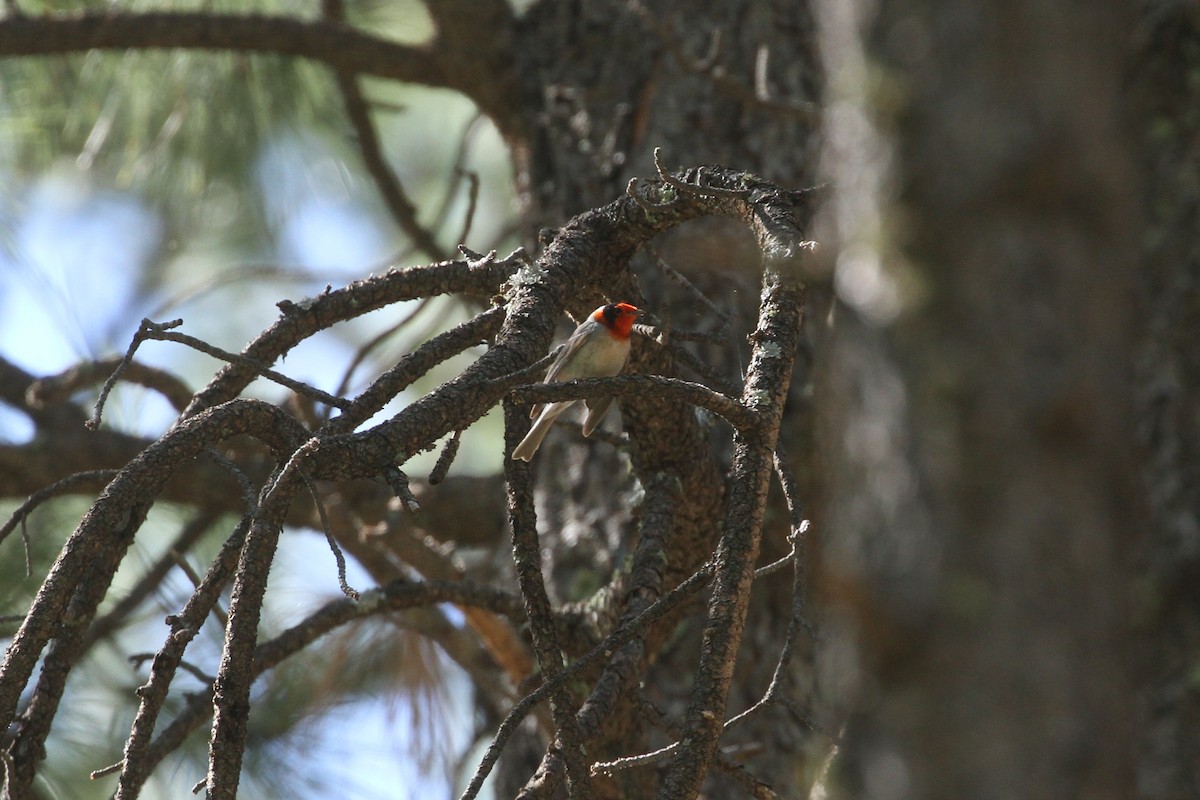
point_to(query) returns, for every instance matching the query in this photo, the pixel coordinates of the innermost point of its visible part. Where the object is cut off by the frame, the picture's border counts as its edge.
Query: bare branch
(231, 692)
(58, 388)
(92, 553)
(627, 662)
(438, 474)
(691, 289)
(774, 342)
(96, 478)
(482, 74)
(365, 349)
(359, 114)
(151, 330)
(395, 596)
(625, 633)
(698, 187)
(739, 773)
(300, 320)
(415, 365)
(675, 389)
(527, 555)
(472, 201)
(772, 694)
(333, 545)
(142, 332)
(791, 489)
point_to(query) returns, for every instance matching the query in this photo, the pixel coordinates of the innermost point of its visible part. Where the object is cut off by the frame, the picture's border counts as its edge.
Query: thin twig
(27, 546)
(396, 479)
(67, 484)
(472, 202)
(367, 348)
(681, 280)
(458, 170)
(690, 362)
(414, 365)
(605, 649)
(222, 616)
(333, 545)
(646, 205)
(796, 622)
(299, 387)
(696, 188)
(442, 467)
(137, 659)
(656, 717)
(790, 486)
(140, 336)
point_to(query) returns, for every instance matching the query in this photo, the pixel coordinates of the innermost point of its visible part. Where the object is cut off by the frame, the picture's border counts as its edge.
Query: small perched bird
(598, 348)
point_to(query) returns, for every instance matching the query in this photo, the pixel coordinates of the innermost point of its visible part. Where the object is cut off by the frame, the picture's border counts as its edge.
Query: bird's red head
(618, 317)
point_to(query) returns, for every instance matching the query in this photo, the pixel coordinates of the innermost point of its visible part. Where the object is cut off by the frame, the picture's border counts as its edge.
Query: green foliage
(167, 123)
(170, 123)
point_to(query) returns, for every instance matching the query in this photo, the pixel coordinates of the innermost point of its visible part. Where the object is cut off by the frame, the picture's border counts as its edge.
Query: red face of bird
(618, 317)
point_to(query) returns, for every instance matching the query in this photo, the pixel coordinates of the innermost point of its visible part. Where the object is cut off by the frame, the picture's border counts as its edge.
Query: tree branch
(482, 76)
(231, 691)
(136, 763)
(403, 211)
(617, 638)
(681, 391)
(527, 555)
(55, 389)
(300, 320)
(95, 548)
(395, 596)
(774, 341)
(646, 578)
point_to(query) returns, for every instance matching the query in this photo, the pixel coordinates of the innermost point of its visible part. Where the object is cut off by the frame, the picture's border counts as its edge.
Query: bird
(598, 348)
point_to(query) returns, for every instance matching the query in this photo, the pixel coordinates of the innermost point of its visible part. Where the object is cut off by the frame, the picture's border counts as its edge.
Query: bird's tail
(533, 440)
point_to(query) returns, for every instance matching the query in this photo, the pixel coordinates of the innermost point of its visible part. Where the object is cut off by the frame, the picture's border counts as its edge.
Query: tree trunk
(1165, 96)
(608, 83)
(981, 507)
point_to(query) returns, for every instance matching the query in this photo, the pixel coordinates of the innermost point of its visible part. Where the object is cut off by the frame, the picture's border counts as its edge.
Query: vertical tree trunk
(733, 83)
(975, 417)
(1166, 95)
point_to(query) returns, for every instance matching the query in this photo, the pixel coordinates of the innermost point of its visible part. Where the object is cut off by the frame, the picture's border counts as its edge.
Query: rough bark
(1165, 94)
